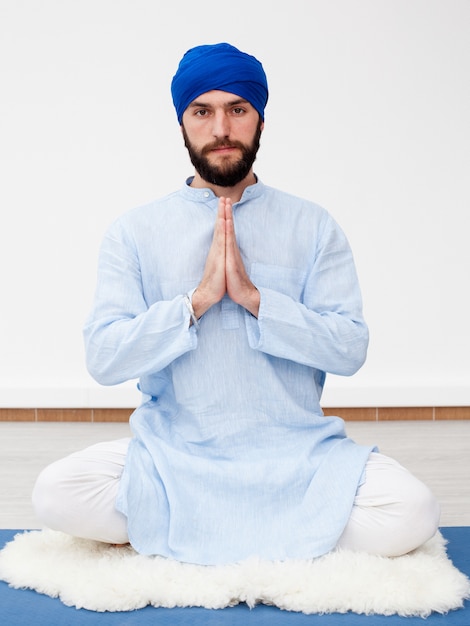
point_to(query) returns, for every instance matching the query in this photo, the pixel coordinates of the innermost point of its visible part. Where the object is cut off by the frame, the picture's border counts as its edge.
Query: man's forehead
(218, 97)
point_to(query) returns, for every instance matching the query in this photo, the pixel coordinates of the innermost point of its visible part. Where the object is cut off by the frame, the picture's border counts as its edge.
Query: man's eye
(238, 110)
(201, 112)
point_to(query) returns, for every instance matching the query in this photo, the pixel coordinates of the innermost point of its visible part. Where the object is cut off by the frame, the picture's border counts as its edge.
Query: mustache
(222, 144)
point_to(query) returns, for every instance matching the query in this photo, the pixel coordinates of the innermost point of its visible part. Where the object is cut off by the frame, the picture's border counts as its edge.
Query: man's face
(222, 132)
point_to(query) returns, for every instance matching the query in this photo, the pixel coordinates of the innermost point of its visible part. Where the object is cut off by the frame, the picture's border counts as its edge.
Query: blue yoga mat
(23, 607)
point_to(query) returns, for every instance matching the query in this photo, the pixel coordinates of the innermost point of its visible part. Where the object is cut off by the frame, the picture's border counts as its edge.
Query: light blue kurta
(231, 455)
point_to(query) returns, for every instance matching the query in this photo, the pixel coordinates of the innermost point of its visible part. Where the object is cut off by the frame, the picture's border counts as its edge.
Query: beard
(228, 173)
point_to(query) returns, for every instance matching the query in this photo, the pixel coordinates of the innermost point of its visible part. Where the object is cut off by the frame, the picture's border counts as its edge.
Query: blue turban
(223, 67)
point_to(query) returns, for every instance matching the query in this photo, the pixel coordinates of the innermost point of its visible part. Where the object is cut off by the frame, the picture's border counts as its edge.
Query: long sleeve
(324, 328)
(125, 338)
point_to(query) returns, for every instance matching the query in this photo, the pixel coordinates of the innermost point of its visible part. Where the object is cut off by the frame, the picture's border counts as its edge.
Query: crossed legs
(77, 494)
(393, 511)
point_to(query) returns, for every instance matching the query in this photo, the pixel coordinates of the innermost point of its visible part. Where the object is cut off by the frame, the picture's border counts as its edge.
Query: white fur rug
(95, 576)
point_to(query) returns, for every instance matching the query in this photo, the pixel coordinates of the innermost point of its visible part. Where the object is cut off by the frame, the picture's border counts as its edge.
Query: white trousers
(393, 511)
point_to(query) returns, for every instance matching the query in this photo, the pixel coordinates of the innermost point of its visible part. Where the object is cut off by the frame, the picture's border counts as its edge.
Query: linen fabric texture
(222, 67)
(231, 454)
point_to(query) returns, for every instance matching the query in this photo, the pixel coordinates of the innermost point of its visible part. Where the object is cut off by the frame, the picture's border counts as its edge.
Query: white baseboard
(396, 396)
(119, 396)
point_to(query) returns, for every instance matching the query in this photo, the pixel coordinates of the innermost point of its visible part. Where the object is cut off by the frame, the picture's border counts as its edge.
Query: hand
(224, 271)
(239, 286)
(213, 287)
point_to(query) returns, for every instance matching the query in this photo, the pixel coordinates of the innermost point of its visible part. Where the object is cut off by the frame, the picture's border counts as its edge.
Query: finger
(219, 227)
(233, 257)
(228, 208)
(229, 225)
(221, 207)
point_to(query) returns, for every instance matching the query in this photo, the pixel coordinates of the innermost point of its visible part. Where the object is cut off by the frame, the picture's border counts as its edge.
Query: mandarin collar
(207, 196)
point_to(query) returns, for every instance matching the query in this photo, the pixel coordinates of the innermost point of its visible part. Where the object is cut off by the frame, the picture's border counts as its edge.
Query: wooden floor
(438, 452)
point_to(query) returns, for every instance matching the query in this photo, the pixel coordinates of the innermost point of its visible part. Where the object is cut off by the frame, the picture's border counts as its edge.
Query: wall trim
(349, 414)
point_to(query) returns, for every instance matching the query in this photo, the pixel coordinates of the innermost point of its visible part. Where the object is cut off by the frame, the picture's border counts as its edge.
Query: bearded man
(230, 301)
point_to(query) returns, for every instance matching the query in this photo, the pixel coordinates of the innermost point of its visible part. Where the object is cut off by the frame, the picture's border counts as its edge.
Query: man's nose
(221, 125)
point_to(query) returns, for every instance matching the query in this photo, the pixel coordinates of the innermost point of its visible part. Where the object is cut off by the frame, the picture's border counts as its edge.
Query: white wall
(368, 116)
